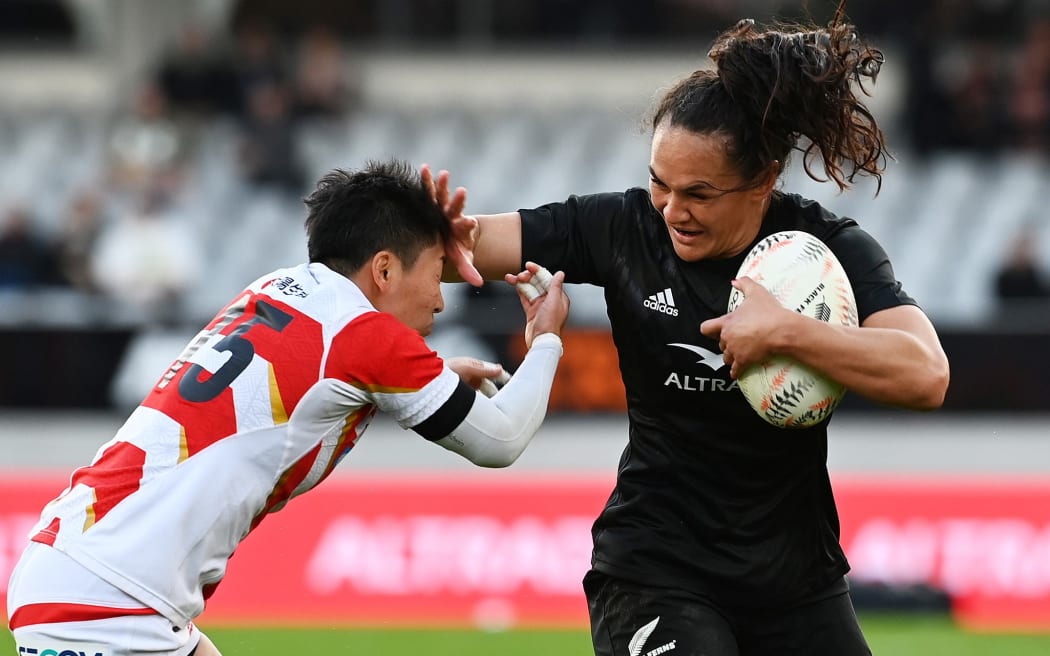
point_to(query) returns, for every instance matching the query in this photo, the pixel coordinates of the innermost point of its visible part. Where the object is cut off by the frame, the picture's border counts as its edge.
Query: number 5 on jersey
(196, 388)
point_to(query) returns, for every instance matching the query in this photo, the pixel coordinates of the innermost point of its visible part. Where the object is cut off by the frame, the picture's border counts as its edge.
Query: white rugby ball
(805, 276)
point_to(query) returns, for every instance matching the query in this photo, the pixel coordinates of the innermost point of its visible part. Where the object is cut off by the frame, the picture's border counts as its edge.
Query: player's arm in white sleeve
(496, 430)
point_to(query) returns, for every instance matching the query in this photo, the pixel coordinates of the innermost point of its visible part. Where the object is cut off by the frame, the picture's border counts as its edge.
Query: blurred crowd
(124, 236)
(978, 81)
(974, 85)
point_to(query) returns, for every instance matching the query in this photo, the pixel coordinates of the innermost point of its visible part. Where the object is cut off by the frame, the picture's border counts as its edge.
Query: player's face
(416, 292)
(689, 174)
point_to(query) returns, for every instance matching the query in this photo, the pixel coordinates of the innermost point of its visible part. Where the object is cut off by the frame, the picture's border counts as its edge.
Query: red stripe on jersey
(294, 353)
(115, 475)
(208, 422)
(292, 344)
(381, 354)
(348, 438)
(298, 472)
(48, 534)
(54, 613)
(287, 483)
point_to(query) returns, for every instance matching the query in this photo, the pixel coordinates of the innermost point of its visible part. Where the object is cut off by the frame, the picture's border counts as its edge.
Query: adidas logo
(662, 302)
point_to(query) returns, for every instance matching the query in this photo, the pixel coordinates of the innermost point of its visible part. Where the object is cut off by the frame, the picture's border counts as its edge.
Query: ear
(770, 181)
(763, 189)
(383, 269)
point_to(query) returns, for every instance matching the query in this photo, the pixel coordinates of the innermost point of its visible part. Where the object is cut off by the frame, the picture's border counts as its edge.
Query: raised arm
(496, 430)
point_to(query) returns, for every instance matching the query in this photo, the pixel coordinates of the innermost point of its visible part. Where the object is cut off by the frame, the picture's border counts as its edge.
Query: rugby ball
(805, 276)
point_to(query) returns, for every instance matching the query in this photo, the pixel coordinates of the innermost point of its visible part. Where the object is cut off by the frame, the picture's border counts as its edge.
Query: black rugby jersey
(708, 497)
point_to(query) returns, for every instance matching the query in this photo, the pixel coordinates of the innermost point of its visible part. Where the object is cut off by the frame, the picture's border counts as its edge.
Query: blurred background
(153, 158)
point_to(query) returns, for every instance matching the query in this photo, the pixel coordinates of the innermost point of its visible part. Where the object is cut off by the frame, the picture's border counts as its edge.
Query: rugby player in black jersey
(721, 536)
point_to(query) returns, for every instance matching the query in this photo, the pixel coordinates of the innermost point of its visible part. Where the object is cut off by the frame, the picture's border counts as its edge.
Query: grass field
(889, 636)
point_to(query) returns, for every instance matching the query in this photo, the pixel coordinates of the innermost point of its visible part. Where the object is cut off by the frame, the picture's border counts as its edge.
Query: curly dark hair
(772, 87)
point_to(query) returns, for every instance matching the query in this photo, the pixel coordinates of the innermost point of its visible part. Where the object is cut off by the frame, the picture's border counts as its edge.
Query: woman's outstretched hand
(459, 250)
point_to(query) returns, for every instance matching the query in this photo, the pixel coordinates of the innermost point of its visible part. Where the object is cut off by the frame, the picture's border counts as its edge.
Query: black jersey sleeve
(578, 236)
(869, 270)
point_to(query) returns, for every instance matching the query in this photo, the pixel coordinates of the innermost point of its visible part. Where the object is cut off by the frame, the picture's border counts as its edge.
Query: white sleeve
(497, 429)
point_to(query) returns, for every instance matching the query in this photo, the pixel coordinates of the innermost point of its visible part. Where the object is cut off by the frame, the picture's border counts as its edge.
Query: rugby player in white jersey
(260, 407)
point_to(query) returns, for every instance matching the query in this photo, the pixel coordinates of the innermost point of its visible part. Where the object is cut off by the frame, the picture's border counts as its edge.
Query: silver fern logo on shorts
(637, 643)
(638, 640)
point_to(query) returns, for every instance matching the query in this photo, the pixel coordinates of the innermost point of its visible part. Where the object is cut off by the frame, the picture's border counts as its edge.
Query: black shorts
(629, 618)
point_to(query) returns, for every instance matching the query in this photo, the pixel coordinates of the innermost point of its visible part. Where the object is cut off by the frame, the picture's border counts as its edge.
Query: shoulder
(634, 202)
(375, 345)
(375, 329)
(792, 210)
(856, 248)
(627, 205)
(605, 205)
(638, 196)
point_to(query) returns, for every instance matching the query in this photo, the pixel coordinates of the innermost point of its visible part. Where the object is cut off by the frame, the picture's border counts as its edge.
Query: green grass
(919, 635)
(937, 635)
(401, 642)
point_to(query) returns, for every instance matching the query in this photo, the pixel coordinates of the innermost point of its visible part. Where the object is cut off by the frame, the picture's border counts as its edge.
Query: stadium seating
(946, 221)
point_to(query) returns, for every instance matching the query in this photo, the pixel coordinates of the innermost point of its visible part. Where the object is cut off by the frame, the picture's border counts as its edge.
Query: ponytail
(773, 87)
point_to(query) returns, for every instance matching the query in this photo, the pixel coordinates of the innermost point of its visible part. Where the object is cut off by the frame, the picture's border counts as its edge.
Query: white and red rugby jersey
(258, 408)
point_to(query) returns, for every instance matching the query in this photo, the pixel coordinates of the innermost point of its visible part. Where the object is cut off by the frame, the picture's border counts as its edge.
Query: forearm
(498, 249)
(891, 365)
(497, 430)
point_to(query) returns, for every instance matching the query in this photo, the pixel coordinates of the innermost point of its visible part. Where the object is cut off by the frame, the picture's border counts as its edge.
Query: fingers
(543, 278)
(470, 368)
(712, 327)
(487, 369)
(463, 259)
(460, 248)
(489, 386)
(533, 282)
(746, 285)
(556, 283)
(533, 273)
(476, 372)
(451, 204)
(530, 290)
(428, 181)
(441, 193)
(458, 202)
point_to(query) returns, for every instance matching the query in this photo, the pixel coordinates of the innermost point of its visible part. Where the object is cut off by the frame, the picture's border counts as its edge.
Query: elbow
(496, 460)
(933, 388)
(499, 455)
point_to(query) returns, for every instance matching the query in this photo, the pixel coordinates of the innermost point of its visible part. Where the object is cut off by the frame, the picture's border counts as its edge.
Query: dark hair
(355, 214)
(772, 86)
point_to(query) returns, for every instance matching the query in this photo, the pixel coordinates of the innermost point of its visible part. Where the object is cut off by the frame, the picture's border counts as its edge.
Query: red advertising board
(502, 548)
(985, 541)
(486, 549)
